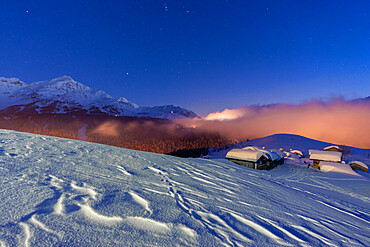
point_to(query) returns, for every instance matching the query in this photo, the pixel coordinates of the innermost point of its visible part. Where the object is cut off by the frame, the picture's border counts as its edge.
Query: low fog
(337, 121)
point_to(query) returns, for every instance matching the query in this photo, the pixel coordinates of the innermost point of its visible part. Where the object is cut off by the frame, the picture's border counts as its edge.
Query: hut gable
(333, 148)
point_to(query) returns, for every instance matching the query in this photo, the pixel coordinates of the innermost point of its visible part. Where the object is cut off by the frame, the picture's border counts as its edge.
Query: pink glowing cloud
(337, 121)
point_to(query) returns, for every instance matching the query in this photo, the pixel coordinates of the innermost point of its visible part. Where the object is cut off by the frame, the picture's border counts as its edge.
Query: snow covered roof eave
(247, 155)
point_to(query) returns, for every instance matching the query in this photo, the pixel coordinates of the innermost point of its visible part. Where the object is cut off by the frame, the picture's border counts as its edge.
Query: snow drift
(60, 192)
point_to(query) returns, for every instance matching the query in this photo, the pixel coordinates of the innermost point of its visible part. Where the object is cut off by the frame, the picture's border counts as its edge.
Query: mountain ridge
(63, 94)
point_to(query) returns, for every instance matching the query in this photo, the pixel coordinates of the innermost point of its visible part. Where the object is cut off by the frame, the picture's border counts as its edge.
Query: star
(165, 6)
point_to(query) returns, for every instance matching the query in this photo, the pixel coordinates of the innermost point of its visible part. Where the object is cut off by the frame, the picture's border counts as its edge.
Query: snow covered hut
(250, 158)
(333, 148)
(255, 158)
(317, 156)
(358, 165)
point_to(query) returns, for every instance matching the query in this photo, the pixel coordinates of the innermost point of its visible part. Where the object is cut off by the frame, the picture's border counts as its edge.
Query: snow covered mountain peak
(64, 94)
(10, 81)
(66, 83)
(122, 99)
(62, 89)
(63, 78)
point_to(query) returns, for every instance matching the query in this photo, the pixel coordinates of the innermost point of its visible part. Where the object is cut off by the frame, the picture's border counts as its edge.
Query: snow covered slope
(62, 192)
(63, 94)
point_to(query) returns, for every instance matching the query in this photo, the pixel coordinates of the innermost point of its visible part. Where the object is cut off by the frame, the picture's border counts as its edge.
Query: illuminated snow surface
(59, 192)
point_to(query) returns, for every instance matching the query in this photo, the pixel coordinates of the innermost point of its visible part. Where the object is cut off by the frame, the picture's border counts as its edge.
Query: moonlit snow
(60, 192)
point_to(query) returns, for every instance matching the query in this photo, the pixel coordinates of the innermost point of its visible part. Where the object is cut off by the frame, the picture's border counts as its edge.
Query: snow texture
(60, 192)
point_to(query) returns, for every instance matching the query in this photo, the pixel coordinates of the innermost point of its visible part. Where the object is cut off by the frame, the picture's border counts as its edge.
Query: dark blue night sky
(202, 55)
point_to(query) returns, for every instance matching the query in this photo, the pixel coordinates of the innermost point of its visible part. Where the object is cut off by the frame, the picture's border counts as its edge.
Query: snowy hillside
(63, 94)
(72, 193)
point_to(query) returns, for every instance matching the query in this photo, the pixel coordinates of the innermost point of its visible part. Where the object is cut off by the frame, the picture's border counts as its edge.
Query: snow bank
(327, 166)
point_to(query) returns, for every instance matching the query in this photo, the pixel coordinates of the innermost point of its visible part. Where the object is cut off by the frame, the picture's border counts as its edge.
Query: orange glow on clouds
(107, 129)
(226, 114)
(338, 121)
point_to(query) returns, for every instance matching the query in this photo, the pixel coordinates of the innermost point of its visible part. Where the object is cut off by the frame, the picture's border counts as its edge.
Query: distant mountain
(65, 108)
(362, 100)
(65, 95)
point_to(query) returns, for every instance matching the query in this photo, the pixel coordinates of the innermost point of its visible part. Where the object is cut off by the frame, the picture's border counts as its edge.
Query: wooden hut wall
(249, 164)
(316, 164)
